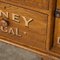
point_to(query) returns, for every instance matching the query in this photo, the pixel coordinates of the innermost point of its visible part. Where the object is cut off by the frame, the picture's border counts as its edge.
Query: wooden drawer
(38, 5)
(56, 42)
(27, 27)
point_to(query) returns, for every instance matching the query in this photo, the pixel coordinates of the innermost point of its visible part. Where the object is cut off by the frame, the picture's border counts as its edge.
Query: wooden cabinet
(30, 24)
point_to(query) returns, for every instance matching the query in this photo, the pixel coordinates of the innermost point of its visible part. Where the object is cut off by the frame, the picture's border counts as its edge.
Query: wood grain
(40, 31)
(56, 45)
(37, 31)
(40, 4)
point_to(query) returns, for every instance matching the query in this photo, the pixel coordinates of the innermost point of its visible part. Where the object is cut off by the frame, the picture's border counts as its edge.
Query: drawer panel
(26, 27)
(56, 44)
(45, 6)
(40, 4)
(29, 28)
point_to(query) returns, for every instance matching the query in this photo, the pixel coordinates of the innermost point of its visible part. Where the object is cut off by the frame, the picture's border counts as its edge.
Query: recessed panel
(23, 26)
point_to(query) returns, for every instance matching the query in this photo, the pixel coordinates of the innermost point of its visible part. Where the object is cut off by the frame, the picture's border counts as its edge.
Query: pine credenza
(33, 25)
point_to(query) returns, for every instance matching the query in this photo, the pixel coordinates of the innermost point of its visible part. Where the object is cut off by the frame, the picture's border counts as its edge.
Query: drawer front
(33, 33)
(56, 45)
(40, 4)
(26, 27)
